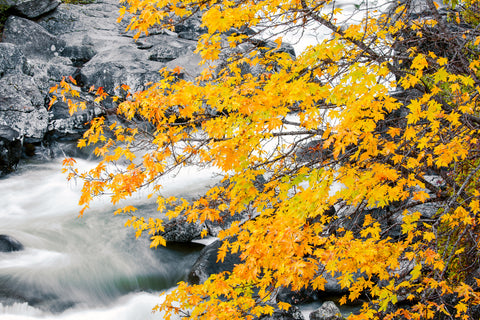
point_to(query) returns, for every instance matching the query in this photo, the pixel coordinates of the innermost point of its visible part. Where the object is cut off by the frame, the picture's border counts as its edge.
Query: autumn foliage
(380, 114)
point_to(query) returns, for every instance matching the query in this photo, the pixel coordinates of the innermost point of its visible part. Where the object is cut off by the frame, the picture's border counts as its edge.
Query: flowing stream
(89, 267)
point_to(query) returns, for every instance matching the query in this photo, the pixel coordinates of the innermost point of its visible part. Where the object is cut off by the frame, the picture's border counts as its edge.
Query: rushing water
(81, 268)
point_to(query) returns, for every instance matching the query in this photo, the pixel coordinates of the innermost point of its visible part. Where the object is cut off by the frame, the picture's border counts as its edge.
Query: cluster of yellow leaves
(336, 94)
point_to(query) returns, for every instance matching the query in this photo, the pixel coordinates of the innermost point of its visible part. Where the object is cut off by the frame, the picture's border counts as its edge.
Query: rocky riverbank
(44, 41)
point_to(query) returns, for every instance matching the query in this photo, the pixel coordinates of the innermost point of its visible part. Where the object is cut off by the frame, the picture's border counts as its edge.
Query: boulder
(63, 127)
(389, 217)
(10, 149)
(207, 264)
(33, 8)
(88, 29)
(189, 64)
(79, 54)
(191, 28)
(32, 39)
(48, 73)
(293, 313)
(66, 19)
(303, 296)
(165, 52)
(179, 230)
(22, 107)
(331, 288)
(122, 65)
(9, 244)
(313, 151)
(12, 60)
(97, 20)
(328, 311)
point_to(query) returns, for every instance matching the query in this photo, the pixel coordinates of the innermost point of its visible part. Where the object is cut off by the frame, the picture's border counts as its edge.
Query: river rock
(12, 60)
(303, 296)
(171, 50)
(31, 38)
(65, 127)
(331, 288)
(10, 149)
(124, 65)
(9, 244)
(179, 230)
(328, 311)
(48, 73)
(207, 264)
(314, 151)
(96, 20)
(33, 8)
(191, 28)
(22, 107)
(293, 313)
(79, 54)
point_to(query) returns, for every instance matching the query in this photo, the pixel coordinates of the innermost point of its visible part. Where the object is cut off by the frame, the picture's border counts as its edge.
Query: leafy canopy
(323, 130)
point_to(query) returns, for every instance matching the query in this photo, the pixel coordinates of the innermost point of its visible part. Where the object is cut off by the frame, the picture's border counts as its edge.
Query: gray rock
(10, 149)
(33, 8)
(22, 107)
(63, 127)
(99, 17)
(293, 313)
(48, 73)
(332, 286)
(79, 54)
(12, 60)
(9, 244)
(111, 75)
(166, 52)
(66, 19)
(191, 28)
(122, 65)
(313, 151)
(207, 264)
(389, 218)
(179, 230)
(328, 311)
(31, 38)
(93, 25)
(303, 296)
(119, 59)
(189, 64)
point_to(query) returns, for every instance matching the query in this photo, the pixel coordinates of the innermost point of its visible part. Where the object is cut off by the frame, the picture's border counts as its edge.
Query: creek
(89, 267)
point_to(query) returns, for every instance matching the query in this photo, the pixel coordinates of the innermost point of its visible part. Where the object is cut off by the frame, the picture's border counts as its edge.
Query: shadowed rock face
(207, 264)
(9, 244)
(10, 149)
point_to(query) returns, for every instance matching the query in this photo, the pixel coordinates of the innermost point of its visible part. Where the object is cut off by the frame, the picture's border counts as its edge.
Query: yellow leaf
(428, 236)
